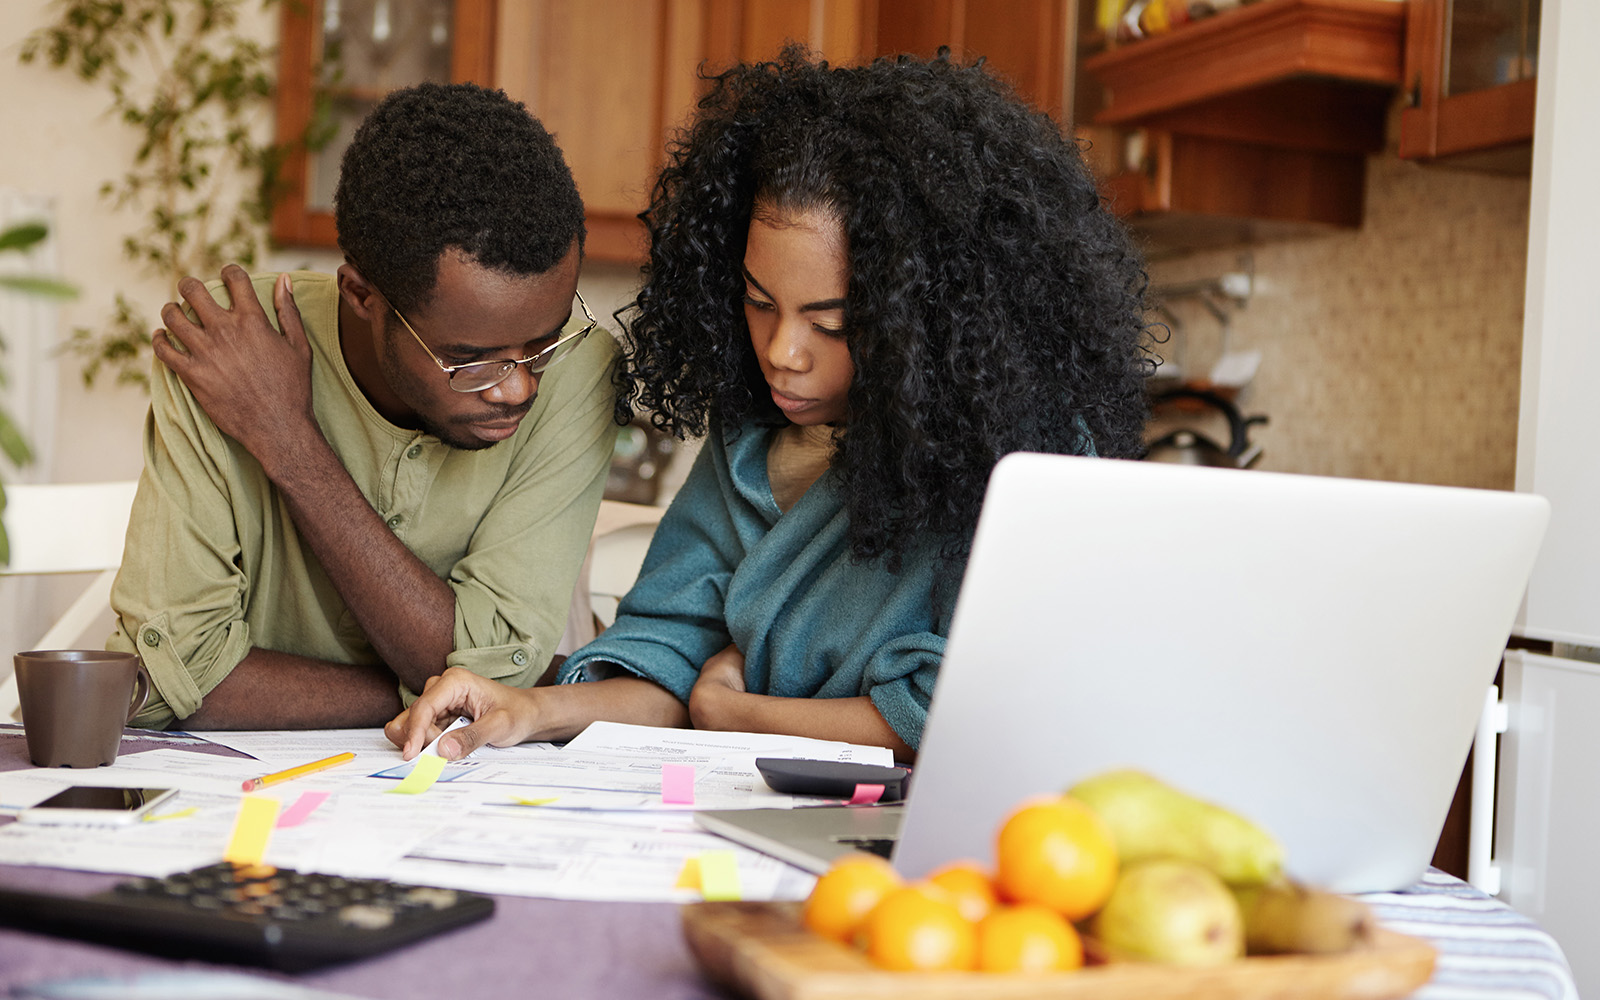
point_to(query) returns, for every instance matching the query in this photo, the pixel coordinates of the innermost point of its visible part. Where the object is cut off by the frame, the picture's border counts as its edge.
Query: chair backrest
(65, 528)
(622, 533)
(615, 558)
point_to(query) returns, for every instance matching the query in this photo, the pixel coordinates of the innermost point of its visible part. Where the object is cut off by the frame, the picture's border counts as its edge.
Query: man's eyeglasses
(476, 376)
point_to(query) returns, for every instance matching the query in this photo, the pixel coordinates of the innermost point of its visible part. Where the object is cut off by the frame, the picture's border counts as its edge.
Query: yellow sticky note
(689, 877)
(719, 875)
(252, 827)
(423, 775)
(180, 814)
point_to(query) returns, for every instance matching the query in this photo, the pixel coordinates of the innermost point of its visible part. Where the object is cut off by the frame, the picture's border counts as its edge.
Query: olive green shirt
(215, 567)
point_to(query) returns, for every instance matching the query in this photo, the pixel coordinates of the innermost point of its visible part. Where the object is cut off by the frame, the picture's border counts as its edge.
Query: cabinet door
(1470, 79)
(600, 74)
(612, 79)
(336, 59)
(1549, 806)
(1025, 41)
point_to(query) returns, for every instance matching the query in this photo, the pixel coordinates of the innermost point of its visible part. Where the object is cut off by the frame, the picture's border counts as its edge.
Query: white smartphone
(85, 805)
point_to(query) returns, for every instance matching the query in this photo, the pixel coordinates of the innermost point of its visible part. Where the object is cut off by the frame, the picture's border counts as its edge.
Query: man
(397, 482)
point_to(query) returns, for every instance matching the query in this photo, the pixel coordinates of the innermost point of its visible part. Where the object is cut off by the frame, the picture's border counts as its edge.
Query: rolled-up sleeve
(899, 679)
(179, 595)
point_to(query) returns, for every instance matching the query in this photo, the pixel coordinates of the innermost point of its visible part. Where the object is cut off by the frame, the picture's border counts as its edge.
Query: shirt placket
(409, 477)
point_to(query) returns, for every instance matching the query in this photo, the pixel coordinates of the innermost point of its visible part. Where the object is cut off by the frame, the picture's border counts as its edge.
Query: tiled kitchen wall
(1391, 352)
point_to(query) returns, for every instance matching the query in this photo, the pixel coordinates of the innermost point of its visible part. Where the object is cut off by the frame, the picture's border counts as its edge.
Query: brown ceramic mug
(75, 703)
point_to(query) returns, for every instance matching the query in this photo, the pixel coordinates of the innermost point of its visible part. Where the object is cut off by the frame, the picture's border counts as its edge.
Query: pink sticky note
(677, 784)
(866, 795)
(303, 807)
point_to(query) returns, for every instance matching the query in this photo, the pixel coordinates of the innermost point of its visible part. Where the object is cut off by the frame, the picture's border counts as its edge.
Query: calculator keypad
(256, 891)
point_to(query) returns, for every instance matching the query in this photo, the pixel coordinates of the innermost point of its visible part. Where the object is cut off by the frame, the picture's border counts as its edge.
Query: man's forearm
(406, 611)
(271, 690)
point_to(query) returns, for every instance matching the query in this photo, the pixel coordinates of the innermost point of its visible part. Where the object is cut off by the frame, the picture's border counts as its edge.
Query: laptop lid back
(1311, 652)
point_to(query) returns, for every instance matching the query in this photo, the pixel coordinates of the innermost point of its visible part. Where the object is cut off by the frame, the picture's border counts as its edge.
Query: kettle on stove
(1189, 447)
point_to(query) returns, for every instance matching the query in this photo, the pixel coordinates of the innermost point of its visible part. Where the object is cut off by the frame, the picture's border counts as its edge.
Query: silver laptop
(1311, 652)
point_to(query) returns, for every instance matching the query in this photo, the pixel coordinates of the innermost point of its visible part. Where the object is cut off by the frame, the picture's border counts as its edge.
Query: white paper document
(572, 854)
(588, 820)
(290, 747)
(615, 766)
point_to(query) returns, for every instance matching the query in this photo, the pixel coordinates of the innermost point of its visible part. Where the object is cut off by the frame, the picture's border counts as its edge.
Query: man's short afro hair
(437, 166)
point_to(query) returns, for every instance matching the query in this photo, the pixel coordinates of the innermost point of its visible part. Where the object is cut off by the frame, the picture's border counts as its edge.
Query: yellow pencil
(295, 772)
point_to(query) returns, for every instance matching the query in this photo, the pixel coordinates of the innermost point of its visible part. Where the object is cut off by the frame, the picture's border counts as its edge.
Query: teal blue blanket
(725, 565)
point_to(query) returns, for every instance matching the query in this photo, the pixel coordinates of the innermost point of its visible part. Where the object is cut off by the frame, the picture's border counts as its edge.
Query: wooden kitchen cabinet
(1024, 41)
(1471, 74)
(1251, 125)
(336, 59)
(1192, 192)
(612, 79)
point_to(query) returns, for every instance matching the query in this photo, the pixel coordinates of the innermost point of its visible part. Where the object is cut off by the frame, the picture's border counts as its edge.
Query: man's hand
(253, 382)
(722, 674)
(502, 716)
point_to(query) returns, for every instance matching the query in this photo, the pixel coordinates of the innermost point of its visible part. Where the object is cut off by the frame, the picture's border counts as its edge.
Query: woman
(866, 285)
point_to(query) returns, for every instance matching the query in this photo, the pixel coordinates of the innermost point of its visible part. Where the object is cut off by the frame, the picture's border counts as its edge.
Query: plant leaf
(22, 236)
(32, 284)
(12, 443)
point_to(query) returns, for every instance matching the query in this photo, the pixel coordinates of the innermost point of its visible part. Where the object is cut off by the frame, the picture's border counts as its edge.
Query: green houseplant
(196, 91)
(18, 239)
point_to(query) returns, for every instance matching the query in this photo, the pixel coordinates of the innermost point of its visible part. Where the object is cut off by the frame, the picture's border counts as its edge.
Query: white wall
(1557, 454)
(1550, 780)
(62, 145)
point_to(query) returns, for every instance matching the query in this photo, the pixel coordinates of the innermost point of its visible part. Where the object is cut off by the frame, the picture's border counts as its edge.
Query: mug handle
(141, 692)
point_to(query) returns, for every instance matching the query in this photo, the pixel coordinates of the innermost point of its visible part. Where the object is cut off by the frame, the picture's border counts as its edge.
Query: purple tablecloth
(530, 947)
(572, 950)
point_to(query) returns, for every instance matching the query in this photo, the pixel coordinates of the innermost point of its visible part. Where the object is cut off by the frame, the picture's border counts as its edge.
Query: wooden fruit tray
(760, 950)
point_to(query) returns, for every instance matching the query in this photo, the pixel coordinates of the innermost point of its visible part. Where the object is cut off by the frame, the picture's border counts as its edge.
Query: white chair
(622, 536)
(65, 528)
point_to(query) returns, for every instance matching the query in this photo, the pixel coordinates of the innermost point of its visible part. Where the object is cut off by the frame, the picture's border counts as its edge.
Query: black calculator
(251, 915)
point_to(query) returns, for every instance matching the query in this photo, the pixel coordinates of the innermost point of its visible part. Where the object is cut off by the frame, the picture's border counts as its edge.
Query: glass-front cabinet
(1471, 73)
(338, 58)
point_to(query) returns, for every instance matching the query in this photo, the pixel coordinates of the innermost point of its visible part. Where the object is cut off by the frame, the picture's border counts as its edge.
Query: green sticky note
(719, 875)
(423, 775)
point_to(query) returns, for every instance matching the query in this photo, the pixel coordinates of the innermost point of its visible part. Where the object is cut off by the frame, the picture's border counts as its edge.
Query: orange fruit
(1028, 938)
(846, 893)
(919, 928)
(971, 886)
(1059, 853)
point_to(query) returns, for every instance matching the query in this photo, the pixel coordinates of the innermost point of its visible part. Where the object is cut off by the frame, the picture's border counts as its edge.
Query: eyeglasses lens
(477, 378)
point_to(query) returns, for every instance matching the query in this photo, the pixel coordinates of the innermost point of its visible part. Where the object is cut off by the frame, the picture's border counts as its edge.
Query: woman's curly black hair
(994, 305)
(441, 166)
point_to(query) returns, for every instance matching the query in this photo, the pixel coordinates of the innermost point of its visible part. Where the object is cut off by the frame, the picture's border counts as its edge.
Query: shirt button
(394, 522)
(414, 451)
(152, 638)
(519, 658)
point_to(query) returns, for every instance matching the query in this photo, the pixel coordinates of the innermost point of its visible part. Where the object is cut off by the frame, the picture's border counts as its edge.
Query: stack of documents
(594, 819)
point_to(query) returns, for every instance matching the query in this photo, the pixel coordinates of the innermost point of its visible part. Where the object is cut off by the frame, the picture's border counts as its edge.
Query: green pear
(1151, 819)
(1173, 912)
